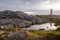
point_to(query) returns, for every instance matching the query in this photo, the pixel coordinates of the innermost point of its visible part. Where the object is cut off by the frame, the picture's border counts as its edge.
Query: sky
(34, 7)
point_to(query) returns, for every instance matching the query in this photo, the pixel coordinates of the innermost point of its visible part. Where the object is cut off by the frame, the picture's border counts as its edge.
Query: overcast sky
(31, 6)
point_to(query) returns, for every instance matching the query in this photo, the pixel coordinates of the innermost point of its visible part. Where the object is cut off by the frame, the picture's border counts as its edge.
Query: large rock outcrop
(8, 18)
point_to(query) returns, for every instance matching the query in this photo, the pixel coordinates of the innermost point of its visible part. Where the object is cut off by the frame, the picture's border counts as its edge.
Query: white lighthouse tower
(51, 14)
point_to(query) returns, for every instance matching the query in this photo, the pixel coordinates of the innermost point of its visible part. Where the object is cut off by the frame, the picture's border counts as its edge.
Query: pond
(45, 26)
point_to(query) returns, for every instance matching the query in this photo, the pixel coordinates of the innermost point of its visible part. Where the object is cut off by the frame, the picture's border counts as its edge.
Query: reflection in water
(45, 26)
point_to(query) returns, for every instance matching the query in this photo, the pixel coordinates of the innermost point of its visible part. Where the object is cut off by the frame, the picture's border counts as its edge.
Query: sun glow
(49, 5)
(28, 13)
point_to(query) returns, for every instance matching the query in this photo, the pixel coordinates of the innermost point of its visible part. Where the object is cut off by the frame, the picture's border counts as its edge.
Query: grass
(44, 32)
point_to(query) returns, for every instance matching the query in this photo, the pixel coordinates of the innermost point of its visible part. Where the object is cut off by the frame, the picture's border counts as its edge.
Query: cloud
(30, 6)
(43, 4)
(12, 4)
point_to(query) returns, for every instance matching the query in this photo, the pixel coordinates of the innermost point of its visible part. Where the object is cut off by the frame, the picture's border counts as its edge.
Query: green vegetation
(33, 34)
(49, 35)
(37, 35)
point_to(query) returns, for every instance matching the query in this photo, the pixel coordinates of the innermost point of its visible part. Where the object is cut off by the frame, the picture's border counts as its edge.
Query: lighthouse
(51, 13)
